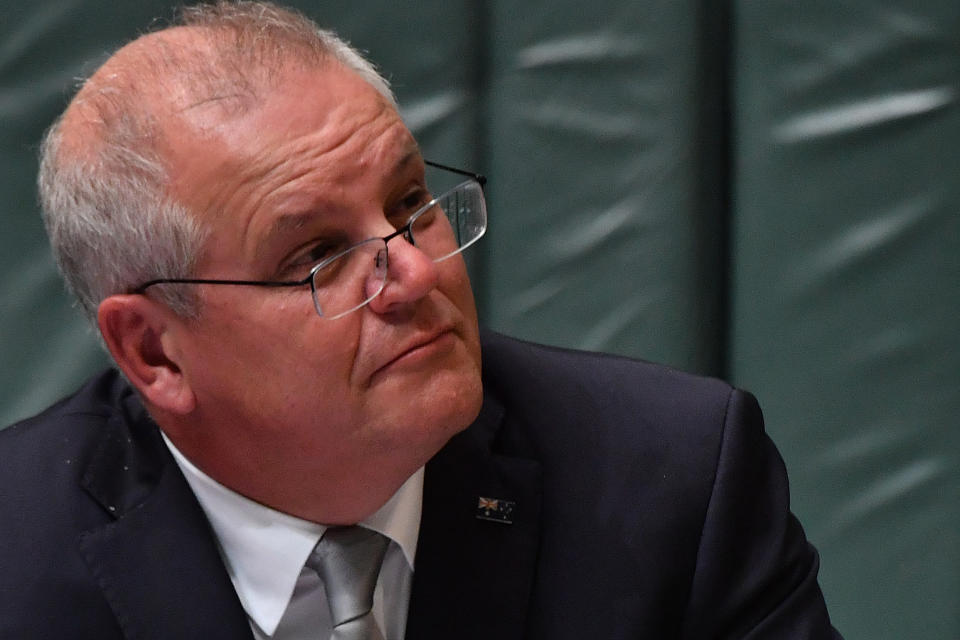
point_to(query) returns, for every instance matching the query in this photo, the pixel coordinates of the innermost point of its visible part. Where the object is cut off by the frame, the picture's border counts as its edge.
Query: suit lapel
(157, 561)
(473, 576)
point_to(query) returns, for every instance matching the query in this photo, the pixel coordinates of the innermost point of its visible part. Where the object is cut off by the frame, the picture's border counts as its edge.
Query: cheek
(455, 285)
(314, 360)
(281, 354)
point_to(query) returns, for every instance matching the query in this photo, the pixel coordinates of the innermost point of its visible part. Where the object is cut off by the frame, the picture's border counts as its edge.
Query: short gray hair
(111, 222)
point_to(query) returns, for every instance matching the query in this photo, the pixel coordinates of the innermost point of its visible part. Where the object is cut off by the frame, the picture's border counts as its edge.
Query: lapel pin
(495, 510)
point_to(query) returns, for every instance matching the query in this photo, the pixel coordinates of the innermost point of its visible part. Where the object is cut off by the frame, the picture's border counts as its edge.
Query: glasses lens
(452, 222)
(447, 226)
(350, 280)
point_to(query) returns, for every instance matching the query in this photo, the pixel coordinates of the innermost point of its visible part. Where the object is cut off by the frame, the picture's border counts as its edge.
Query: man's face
(285, 397)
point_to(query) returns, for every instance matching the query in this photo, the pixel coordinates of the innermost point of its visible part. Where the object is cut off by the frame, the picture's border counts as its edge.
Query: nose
(411, 275)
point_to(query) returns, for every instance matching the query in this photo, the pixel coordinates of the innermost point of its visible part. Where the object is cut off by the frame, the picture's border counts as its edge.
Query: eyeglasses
(352, 277)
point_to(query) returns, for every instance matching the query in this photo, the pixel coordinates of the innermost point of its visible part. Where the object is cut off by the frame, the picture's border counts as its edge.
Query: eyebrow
(288, 222)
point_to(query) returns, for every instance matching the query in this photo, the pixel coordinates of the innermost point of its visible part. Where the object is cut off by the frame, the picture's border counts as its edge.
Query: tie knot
(348, 560)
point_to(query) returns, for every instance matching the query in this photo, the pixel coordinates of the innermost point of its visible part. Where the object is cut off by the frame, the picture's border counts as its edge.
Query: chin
(425, 418)
(465, 406)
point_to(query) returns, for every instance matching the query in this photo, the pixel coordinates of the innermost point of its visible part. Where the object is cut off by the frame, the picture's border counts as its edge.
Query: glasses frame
(405, 230)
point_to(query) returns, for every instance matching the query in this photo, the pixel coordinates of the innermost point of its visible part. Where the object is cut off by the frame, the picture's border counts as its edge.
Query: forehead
(321, 108)
(315, 130)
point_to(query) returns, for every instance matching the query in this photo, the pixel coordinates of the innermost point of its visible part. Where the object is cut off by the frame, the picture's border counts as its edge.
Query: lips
(416, 345)
(420, 342)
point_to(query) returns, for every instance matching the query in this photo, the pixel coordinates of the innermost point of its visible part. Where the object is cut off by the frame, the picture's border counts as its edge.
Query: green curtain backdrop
(846, 290)
(769, 192)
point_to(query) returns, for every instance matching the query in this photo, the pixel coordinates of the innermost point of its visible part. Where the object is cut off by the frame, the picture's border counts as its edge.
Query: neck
(331, 500)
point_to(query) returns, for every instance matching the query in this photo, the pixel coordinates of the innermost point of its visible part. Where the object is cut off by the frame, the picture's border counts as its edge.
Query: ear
(139, 333)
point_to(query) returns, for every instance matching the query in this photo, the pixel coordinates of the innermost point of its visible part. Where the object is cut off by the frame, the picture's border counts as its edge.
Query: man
(238, 206)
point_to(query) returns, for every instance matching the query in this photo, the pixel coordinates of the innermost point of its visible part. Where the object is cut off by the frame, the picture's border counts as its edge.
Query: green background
(764, 191)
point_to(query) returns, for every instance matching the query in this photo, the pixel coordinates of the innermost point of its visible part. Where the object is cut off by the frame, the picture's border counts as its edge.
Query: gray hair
(111, 222)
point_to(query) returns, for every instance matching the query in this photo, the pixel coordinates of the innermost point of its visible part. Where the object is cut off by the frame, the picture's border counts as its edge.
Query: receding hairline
(102, 94)
(158, 72)
(105, 163)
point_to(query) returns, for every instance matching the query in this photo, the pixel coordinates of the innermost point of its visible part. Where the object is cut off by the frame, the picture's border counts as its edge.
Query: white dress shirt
(264, 551)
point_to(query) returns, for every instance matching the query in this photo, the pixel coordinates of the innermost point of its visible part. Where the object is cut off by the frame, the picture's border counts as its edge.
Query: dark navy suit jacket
(647, 503)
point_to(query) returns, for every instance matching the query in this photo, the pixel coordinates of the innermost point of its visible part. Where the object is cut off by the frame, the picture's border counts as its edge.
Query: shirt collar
(265, 549)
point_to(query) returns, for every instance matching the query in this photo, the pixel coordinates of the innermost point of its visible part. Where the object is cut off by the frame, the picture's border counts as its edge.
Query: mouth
(416, 351)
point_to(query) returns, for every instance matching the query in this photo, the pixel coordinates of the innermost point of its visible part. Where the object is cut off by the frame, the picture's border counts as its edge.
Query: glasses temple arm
(476, 176)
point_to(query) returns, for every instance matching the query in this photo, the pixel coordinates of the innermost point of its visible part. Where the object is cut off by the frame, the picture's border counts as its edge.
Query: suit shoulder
(577, 412)
(54, 446)
(95, 400)
(519, 370)
(44, 507)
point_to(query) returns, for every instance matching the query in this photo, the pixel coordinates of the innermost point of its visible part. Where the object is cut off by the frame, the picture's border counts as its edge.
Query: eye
(319, 251)
(408, 205)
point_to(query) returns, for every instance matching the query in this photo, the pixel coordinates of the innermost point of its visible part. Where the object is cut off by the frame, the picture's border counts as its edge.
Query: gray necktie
(348, 559)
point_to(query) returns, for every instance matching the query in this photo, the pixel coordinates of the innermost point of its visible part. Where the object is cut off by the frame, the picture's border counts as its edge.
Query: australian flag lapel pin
(495, 510)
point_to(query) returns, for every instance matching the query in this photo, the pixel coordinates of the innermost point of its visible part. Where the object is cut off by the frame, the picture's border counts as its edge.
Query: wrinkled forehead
(312, 112)
(181, 76)
(320, 141)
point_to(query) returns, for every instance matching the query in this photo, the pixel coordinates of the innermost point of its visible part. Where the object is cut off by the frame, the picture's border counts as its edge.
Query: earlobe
(133, 328)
